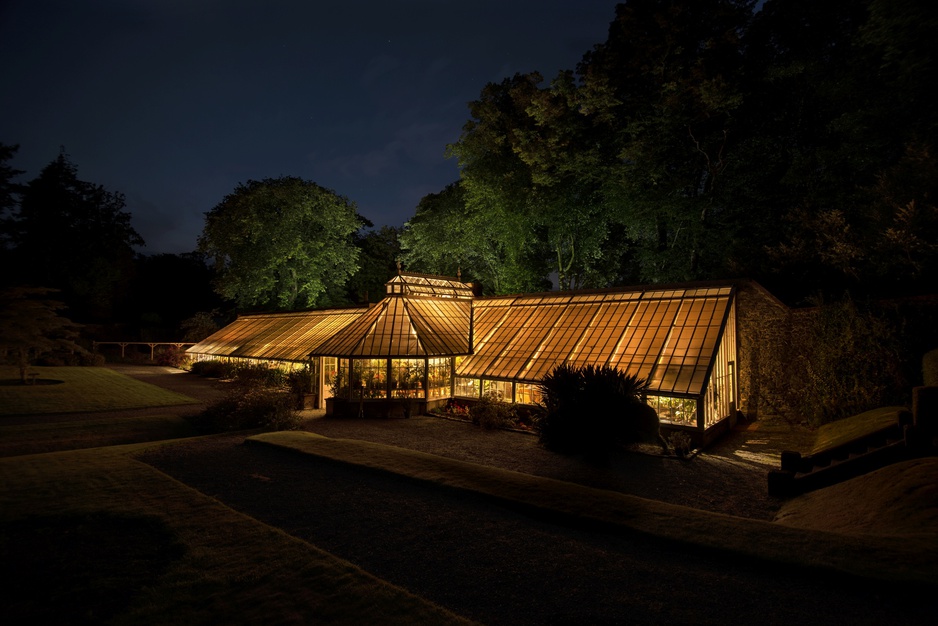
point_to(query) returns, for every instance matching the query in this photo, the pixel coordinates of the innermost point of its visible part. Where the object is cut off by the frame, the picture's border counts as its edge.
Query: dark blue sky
(174, 102)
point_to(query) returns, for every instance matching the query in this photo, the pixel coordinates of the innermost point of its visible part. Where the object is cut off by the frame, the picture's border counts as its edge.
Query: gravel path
(499, 566)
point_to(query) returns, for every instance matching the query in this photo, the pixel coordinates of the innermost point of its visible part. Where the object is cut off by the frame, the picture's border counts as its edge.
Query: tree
(281, 243)
(435, 240)
(9, 192)
(200, 325)
(379, 252)
(663, 87)
(499, 224)
(167, 289)
(74, 236)
(30, 324)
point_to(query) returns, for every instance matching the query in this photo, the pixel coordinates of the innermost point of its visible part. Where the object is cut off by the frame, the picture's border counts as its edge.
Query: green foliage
(492, 413)
(700, 140)
(74, 236)
(456, 410)
(592, 410)
(247, 408)
(680, 442)
(379, 252)
(930, 368)
(848, 363)
(301, 380)
(200, 325)
(30, 325)
(172, 356)
(214, 368)
(259, 375)
(282, 243)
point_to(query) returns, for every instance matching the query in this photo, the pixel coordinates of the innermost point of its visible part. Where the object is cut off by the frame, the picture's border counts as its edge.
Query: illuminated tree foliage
(705, 139)
(282, 243)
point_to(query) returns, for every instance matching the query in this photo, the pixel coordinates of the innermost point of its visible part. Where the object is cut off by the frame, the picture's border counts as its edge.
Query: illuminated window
(681, 411)
(407, 378)
(526, 393)
(468, 387)
(497, 390)
(439, 378)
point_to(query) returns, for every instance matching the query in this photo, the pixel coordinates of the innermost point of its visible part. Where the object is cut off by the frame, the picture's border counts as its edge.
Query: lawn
(79, 390)
(93, 536)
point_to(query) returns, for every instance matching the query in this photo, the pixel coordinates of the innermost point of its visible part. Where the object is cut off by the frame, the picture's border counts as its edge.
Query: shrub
(249, 408)
(259, 375)
(300, 381)
(591, 410)
(456, 410)
(92, 359)
(171, 356)
(491, 412)
(214, 369)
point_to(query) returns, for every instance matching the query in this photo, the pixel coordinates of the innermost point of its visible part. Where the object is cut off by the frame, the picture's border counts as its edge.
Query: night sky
(174, 102)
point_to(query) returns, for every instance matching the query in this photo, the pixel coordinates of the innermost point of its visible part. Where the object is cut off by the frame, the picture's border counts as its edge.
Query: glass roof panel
(660, 335)
(275, 336)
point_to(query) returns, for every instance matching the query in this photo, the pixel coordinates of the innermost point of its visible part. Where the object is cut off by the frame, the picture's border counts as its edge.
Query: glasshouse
(434, 339)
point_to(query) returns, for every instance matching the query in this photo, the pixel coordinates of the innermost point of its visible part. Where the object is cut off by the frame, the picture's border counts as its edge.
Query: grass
(82, 389)
(64, 516)
(121, 542)
(64, 434)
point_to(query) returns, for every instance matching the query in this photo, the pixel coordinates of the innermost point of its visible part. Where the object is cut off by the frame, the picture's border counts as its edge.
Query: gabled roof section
(410, 284)
(668, 336)
(276, 336)
(404, 327)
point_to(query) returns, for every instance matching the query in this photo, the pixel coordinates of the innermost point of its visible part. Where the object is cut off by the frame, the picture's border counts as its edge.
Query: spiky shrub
(591, 410)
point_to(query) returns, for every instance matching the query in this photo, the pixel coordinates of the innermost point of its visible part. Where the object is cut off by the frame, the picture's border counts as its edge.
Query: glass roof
(667, 336)
(276, 336)
(402, 326)
(406, 283)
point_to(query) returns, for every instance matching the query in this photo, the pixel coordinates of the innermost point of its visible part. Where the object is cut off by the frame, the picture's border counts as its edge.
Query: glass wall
(439, 378)
(498, 390)
(407, 378)
(468, 387)
(720, 398)
(681, 411)
(527, 393)
(330, 371)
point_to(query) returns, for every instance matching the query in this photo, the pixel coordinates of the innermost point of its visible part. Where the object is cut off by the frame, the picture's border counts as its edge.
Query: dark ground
(499, 566)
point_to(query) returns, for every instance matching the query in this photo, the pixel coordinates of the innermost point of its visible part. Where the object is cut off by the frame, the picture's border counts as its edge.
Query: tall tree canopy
(705, 139)
(379, 252)
(75, 236)
(281, 243)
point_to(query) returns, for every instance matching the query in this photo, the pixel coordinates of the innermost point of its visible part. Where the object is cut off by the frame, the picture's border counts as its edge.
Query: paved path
(499, 566)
